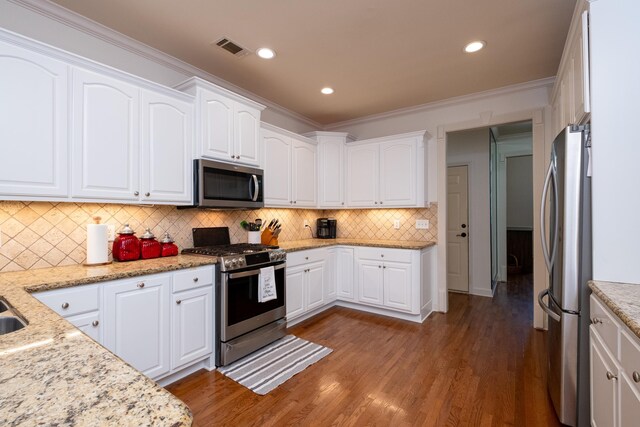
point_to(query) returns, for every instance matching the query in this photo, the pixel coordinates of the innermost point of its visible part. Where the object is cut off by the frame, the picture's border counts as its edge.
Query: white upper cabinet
(166, 149)
(331, 168)
(289, 169)
(33, 125)
(571, 94)
(387, 171)
(228, 124)
(105, 137)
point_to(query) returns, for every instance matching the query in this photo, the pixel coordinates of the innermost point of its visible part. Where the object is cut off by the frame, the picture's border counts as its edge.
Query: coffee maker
(326, 228)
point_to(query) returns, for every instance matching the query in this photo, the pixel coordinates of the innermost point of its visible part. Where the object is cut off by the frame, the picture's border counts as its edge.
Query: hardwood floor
(480, 364)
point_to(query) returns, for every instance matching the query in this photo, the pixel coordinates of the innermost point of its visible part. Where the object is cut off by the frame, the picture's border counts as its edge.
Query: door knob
(464, 226)
(461, 235)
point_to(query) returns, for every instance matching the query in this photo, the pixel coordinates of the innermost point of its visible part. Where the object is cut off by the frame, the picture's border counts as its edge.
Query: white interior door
(457, 229)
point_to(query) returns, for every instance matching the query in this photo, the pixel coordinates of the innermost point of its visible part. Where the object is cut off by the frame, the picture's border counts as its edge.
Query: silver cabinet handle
(179, 302)
(136, 193)
(636, 377)
(147, 194)
(141, 285)
(195, 279)
(552, 315)
(610, 376)
(95, 323)
(65, 305)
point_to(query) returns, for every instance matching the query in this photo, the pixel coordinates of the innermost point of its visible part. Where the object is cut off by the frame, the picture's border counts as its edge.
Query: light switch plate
(422, 224)
(396, 224)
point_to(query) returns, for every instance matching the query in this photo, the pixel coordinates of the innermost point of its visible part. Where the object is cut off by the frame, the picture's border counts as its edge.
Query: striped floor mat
(267, 368)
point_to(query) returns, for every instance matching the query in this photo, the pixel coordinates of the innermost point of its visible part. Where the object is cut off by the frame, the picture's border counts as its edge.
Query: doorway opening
(489, 207)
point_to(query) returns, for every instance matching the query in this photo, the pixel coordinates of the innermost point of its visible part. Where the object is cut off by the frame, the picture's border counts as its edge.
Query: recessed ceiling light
(266, 53)
(327, 90)
(474, 46)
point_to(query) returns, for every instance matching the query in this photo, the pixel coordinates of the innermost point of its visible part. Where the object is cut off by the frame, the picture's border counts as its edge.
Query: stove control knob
(234, 262)
(241, 261)
(227, 263)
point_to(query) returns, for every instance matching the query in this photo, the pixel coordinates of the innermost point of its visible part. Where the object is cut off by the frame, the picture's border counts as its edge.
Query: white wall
(472, 148)
(615, 91)
(520, 192)
(49, 24)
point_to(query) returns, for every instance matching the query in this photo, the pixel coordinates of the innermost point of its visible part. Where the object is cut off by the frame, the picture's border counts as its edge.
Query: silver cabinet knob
(384, 266)
(294, 202)
(238, 157)
(380, 202)
(379, 266)
(290, 201)
(610, 376)
(381, 255)
(141, 285)
(342, 203)
(147, 194)
(65, 305)
(95, 323)
(636, 377)
(195, 279)
(179, 302)
(233, 157)
(375, 203)
(136, 193)
(306, 257)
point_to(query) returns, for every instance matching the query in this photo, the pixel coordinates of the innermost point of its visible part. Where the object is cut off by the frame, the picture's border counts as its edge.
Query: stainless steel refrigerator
(566, 241)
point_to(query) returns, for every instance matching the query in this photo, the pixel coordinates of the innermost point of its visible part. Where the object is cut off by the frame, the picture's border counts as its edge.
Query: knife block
(267, 238)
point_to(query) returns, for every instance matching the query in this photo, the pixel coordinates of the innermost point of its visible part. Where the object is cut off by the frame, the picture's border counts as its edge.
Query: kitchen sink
(9, 321)
(10, 324)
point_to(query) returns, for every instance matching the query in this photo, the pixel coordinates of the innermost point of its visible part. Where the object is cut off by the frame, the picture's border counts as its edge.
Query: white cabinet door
(216, 127)
(603, 389)
(398, 160)
(345, 274)
(89, 323)
(295, 292)
(277, 169)
(136, 322)
(363, 175)
(105, 137)
(247, 134)
(331, 177)
(304, 174)
(314, 286)
(629, 402)
(397, 285)
(330, 276)
(370, 282)
(166, 149)
(192, 331)
(33, 124)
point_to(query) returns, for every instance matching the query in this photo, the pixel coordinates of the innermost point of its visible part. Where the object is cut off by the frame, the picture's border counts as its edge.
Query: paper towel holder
(96, 220)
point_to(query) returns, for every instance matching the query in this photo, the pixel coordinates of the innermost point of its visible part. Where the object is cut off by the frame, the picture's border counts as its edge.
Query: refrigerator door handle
(555, 316)
(543, 226)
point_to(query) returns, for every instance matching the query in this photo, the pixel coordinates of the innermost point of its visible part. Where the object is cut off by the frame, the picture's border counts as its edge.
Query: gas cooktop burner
(241, 255)
(226, 250)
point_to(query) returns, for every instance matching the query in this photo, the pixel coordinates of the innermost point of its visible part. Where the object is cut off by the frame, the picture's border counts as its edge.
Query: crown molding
(534, 84)
(81, 23)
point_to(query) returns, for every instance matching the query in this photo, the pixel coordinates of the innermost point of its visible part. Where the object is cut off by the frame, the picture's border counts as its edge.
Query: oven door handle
(252, 272)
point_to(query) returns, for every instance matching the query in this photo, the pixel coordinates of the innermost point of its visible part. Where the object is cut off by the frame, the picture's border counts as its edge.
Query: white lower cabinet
(295, 292)
(89, 323)
(308, 273)
(344, 274)
(614, 370)
(192, 329)
(136, 322)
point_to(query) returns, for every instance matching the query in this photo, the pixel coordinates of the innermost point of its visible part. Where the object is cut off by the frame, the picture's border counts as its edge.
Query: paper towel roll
(97, 243)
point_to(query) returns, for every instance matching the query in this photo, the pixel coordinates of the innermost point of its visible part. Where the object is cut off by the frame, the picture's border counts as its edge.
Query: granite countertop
(53, 374)
(621, 298)
(300, 245)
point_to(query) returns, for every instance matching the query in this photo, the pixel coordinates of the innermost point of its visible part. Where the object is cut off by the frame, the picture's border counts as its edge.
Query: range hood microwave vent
(232, 47)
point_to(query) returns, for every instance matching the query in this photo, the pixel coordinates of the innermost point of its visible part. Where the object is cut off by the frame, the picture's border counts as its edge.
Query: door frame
(541, 144)
(469, 260)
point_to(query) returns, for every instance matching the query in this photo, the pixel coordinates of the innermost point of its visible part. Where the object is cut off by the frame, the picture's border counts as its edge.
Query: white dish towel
(267, 285)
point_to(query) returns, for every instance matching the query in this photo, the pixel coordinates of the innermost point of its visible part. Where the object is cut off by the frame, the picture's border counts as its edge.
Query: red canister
(149, 246)
(126, 247)
(168, 247)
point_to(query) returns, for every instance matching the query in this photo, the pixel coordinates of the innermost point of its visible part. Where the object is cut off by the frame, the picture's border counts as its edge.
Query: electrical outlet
(422, 224)
(306, 223)
(396, 224)
(111, 232)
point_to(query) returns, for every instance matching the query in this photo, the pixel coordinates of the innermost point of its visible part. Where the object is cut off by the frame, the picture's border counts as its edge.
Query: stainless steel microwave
(224, 185)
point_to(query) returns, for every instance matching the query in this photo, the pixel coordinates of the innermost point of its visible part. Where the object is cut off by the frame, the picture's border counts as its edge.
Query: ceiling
(378, 55)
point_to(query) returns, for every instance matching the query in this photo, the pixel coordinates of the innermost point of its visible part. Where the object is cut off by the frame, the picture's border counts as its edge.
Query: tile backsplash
(43, 234)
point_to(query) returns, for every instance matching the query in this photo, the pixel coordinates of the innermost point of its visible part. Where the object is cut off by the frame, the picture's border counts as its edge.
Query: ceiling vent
(232, 47)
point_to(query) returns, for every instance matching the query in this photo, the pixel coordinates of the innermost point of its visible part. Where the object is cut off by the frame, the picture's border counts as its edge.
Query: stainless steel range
(243, 324)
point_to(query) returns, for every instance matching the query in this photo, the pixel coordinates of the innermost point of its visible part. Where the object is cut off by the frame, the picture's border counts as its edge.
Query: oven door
(240, 311)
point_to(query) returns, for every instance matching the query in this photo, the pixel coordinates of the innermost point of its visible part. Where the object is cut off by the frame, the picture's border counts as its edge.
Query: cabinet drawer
(630, 357)
(384, 254)
(68, 302)
(304, 257)
(193, 278)
(605, 325)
